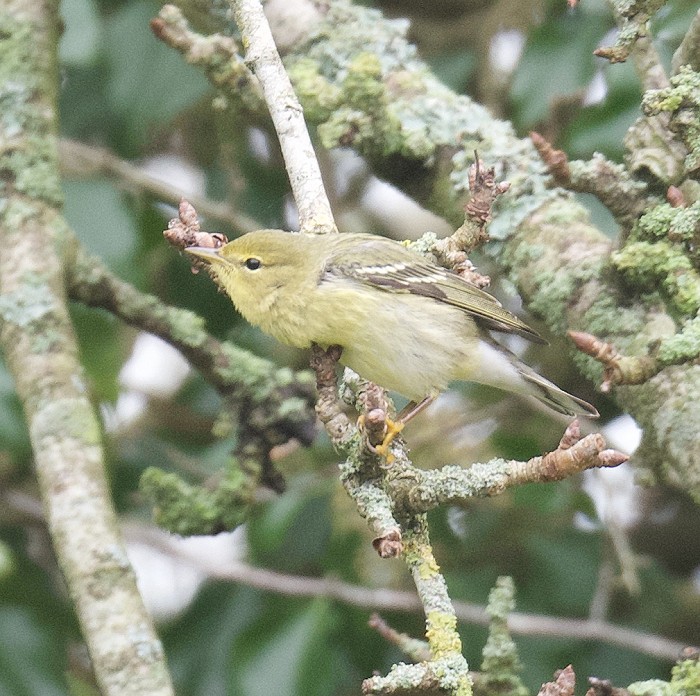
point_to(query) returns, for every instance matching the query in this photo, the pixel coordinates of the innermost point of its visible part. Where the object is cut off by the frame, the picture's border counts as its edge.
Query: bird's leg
(394, 427)
(412, 409)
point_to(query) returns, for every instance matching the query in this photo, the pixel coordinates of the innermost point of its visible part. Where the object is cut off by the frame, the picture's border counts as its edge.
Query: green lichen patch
(678, 225)
(682, 101)
(652, 687)
(189, 510)
(187, 328)
(681, 347)
(66, 418)
(685, 681)
(649, 265)
(442, 633)
(500, 664)
(365, 120)
(28, 158)
(318, 95)
(685, 677)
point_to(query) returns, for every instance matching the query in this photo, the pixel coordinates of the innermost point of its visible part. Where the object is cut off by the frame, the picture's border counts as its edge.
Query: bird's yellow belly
(392, 341)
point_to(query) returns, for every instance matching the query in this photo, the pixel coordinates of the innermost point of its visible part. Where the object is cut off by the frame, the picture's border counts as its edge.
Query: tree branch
(261, 56)
(387, 600)
(247, 381)
(41, 353)
(272, 404)
(79, 160)
(688, 53)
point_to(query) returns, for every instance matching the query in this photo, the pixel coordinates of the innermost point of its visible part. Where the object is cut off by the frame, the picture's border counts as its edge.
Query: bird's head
(255, 267)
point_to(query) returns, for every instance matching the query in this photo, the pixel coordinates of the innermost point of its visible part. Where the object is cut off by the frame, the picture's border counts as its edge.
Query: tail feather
(556, 398)
(500, 368)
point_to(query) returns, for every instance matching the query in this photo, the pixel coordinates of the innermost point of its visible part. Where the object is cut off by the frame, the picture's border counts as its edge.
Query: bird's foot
(391, 429)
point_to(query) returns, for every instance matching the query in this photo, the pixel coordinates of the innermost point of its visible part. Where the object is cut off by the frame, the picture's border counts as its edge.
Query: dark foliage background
(122, 89)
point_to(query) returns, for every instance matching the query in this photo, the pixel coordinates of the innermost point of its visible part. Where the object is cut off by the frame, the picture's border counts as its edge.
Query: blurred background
(596, 546)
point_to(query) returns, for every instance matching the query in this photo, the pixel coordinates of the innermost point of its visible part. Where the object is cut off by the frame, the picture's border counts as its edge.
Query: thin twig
(262, 58)
(625, 197)
(383, 599)
(617, 368)
(79, 160)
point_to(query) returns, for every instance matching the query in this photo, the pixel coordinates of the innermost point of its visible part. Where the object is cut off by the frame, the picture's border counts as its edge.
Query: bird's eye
(252, 264)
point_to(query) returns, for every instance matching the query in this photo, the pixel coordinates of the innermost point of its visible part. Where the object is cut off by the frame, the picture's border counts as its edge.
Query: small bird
(402, 321)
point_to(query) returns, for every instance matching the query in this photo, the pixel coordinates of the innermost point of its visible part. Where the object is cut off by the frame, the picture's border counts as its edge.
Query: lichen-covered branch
(680, 102)
(569, 283)
(617, 369)
(271, 404)
(452, 252)
(41, 353)
(393, 495)
(500, 666)
(558, 260)
(441, 622)
(633, 19)
(247, 381)
(425, 490)
(417, 650)
(688, 53)
(217, 54)
(362, 85)
(384, 599)
(79, 160)
(360, 473)
(261, 56)
(446, 671)
(625, 197)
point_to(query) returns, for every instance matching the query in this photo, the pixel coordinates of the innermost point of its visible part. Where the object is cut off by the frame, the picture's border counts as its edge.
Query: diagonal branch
(315, 213)
(79, 160)
(248, 382)
(41, 353)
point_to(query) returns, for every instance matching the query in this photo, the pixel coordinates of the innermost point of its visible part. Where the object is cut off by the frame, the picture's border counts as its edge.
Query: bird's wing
(404, 271)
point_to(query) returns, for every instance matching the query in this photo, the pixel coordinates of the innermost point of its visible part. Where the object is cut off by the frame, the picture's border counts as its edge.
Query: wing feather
(404, 271)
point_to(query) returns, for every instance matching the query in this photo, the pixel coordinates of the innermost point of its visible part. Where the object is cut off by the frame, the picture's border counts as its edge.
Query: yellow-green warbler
(403, 322)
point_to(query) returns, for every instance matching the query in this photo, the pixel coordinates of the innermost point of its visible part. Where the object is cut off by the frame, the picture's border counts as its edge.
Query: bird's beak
(204, 253)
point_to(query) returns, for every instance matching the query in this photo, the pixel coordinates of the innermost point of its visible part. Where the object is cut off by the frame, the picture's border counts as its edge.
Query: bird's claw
(391, 429)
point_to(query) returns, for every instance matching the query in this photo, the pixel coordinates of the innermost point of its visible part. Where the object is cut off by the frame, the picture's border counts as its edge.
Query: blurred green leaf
(276, 667)
(294, 530)
(101, 349)
(558, 60)
(7, 561)
(80, 41)
(137, 59)
(602, 127)
(201, 644)
(566, 563)
(454, 68)
(35, 626)
(14, 436)
(670, 24)
(102, 221)
(33, 666)
(85, 113)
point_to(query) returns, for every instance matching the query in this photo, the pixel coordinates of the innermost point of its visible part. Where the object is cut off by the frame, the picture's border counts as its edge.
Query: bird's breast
(409, 344)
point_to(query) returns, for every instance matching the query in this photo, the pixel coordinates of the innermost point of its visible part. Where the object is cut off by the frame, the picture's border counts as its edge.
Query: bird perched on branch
(402, 321)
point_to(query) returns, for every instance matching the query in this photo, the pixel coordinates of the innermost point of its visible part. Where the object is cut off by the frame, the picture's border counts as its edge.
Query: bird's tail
(502, 369)
(554, 397)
